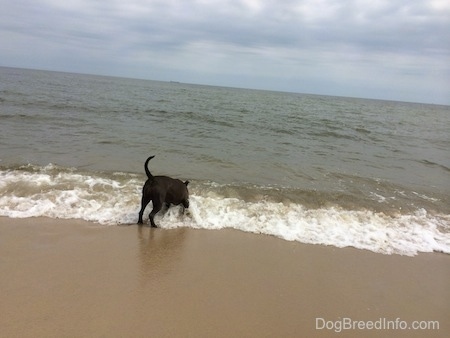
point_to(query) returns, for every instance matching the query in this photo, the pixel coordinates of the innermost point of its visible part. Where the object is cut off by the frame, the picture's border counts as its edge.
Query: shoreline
(75, 278)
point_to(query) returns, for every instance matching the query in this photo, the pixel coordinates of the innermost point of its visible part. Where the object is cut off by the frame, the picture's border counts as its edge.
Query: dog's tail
(149, 174)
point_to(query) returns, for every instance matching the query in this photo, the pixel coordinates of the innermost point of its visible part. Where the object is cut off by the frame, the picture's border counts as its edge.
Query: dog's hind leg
(144, 202)
(157, 206)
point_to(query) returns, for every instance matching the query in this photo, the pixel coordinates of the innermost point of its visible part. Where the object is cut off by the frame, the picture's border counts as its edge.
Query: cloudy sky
(388, 49)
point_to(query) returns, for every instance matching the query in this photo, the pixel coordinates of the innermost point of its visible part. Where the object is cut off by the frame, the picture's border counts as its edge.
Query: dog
(162, 190)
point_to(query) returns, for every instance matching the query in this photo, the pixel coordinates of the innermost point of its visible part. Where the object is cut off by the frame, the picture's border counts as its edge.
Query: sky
(382, 49)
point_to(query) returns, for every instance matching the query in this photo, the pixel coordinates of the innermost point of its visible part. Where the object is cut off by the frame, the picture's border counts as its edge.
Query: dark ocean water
(315, 169)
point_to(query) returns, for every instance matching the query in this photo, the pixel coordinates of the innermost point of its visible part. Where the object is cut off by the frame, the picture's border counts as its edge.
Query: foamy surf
(114, 198)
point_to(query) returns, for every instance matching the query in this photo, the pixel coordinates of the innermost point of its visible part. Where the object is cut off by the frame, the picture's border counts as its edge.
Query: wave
(114, 198)
(434, 164)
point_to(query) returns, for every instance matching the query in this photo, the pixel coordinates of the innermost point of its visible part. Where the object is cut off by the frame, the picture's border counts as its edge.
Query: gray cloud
(382, 49)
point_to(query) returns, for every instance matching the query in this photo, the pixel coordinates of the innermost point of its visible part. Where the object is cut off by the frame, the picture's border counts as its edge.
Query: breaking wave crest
(114, 198)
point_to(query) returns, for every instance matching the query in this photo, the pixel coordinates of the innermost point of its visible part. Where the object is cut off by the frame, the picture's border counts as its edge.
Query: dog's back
(171, 190)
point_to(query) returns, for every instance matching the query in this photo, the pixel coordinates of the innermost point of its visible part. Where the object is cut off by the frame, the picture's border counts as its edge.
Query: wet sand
(64, 278)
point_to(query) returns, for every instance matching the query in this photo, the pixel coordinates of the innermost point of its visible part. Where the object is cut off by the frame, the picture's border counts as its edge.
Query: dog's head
(186, 200)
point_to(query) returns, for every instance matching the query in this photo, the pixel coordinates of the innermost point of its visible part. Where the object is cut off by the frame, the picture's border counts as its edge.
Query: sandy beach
(67, 278)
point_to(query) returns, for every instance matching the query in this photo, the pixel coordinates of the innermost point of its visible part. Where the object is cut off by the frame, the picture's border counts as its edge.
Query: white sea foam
(403, 234)
(68, 194)
(115, 199)
(425, 197)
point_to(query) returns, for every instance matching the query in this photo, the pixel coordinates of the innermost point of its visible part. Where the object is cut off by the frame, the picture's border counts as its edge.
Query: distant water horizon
(327, 170)
(179, 81)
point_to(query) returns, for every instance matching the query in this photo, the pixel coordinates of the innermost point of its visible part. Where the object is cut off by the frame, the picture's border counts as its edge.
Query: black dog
(162, 190)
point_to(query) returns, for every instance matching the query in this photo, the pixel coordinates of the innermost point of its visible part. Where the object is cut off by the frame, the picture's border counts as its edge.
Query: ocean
(369, 174)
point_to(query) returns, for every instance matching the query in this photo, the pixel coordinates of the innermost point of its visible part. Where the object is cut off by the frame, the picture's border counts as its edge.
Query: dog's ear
(186, 183)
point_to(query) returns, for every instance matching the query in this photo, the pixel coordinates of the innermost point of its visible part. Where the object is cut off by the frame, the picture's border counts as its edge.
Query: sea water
(325, 170)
